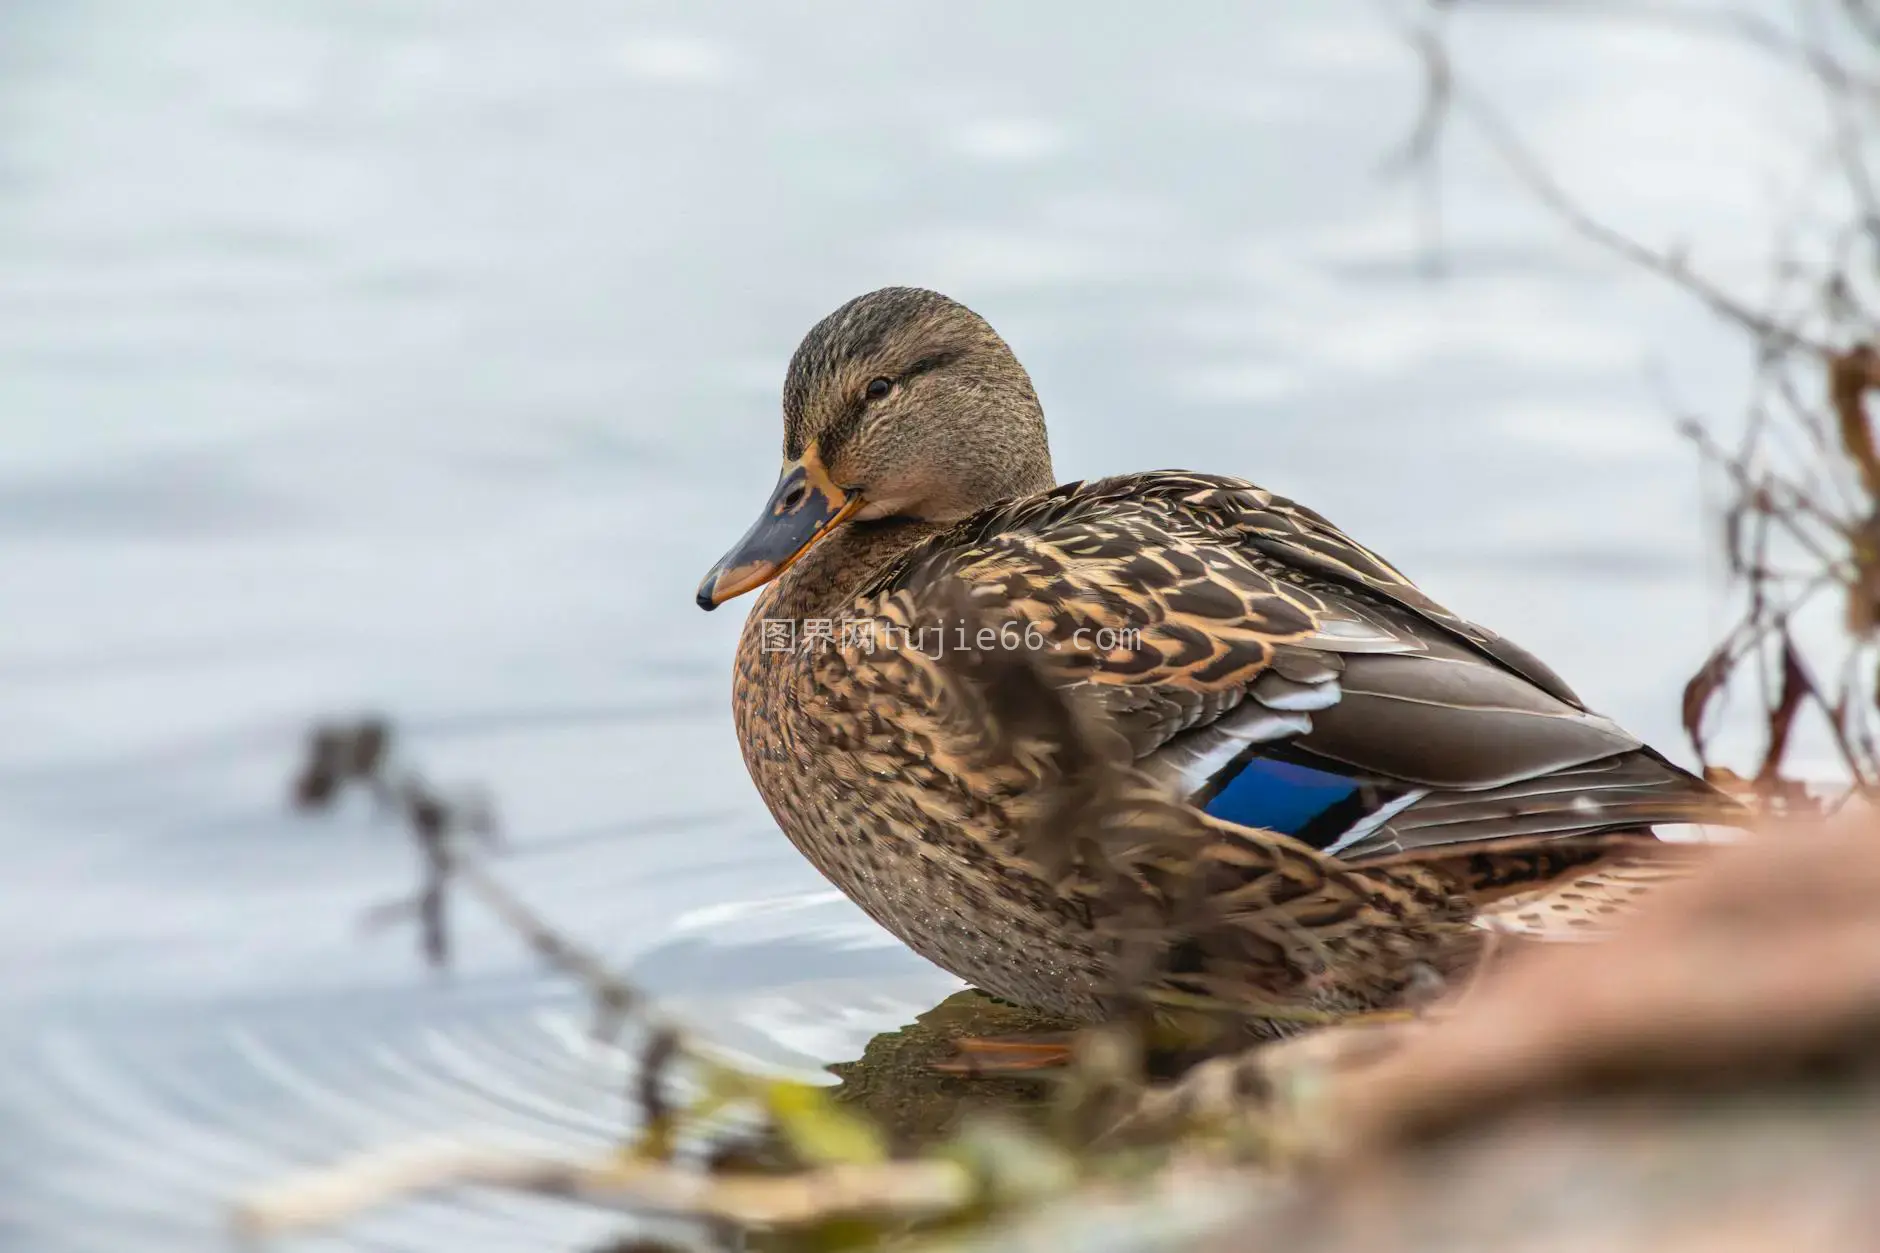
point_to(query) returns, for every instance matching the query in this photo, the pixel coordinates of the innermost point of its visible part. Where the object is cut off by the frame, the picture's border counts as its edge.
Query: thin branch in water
(1805, 468)
(1548, 190)
(1419, 157)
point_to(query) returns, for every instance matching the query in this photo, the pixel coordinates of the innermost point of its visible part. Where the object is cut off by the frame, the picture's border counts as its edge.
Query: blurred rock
(1762, 968)
(1705, 1081)
(1708, 1079)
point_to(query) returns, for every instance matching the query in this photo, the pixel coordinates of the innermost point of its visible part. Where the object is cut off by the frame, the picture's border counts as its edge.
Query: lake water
(420, 356)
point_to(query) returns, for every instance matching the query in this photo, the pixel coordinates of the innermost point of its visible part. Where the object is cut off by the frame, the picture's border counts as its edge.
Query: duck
(1163, 738)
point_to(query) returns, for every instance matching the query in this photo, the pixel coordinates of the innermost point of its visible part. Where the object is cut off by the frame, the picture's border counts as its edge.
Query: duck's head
(900, 405)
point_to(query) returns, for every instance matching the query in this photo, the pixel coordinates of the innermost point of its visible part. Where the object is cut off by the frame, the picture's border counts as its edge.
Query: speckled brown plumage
(1027, 813)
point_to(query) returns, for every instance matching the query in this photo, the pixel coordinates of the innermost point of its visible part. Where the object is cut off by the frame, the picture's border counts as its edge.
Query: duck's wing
(1280, 675)
(979, 734)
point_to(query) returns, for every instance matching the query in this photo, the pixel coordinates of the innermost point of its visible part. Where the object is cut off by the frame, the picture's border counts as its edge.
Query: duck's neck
(825, 579)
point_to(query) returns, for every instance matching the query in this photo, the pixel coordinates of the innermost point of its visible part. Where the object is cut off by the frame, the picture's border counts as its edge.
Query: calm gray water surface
(420, 356)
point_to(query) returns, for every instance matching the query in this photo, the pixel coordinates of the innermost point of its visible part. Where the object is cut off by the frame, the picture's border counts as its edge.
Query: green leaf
(819, 1131)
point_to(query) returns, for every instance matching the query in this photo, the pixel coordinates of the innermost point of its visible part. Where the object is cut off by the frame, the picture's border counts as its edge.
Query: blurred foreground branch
(775, 1153)
(448, 833)
(1734, 1022)
(906, 1191)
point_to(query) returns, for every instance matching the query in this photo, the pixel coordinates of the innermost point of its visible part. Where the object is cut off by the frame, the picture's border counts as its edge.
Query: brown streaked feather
(1491, 871)
(1246, 924)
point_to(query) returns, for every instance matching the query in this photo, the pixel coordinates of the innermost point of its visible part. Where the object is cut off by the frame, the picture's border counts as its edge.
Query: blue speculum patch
(1279, 795)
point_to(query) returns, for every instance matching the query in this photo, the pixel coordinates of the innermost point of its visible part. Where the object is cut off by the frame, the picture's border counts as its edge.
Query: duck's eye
(877, 388)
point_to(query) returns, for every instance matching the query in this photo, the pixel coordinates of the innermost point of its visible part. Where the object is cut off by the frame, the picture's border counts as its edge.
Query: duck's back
(1281, 675)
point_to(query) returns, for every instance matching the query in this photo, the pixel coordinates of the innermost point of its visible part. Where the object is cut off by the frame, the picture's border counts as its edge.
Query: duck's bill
(806, 506)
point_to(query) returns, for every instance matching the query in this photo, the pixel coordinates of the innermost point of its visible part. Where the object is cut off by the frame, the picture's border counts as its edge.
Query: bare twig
(1548, 190)
(1419, 156)
(1804, 515)
(1755, 31)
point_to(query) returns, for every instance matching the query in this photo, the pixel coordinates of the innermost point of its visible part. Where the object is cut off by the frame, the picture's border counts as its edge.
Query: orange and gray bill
(805, 506)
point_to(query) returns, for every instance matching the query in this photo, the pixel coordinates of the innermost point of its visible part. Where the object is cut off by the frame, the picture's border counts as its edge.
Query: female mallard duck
(1169, 721)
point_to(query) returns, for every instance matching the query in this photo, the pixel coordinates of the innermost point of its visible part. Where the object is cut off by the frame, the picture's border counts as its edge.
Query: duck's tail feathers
(1629, 792)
